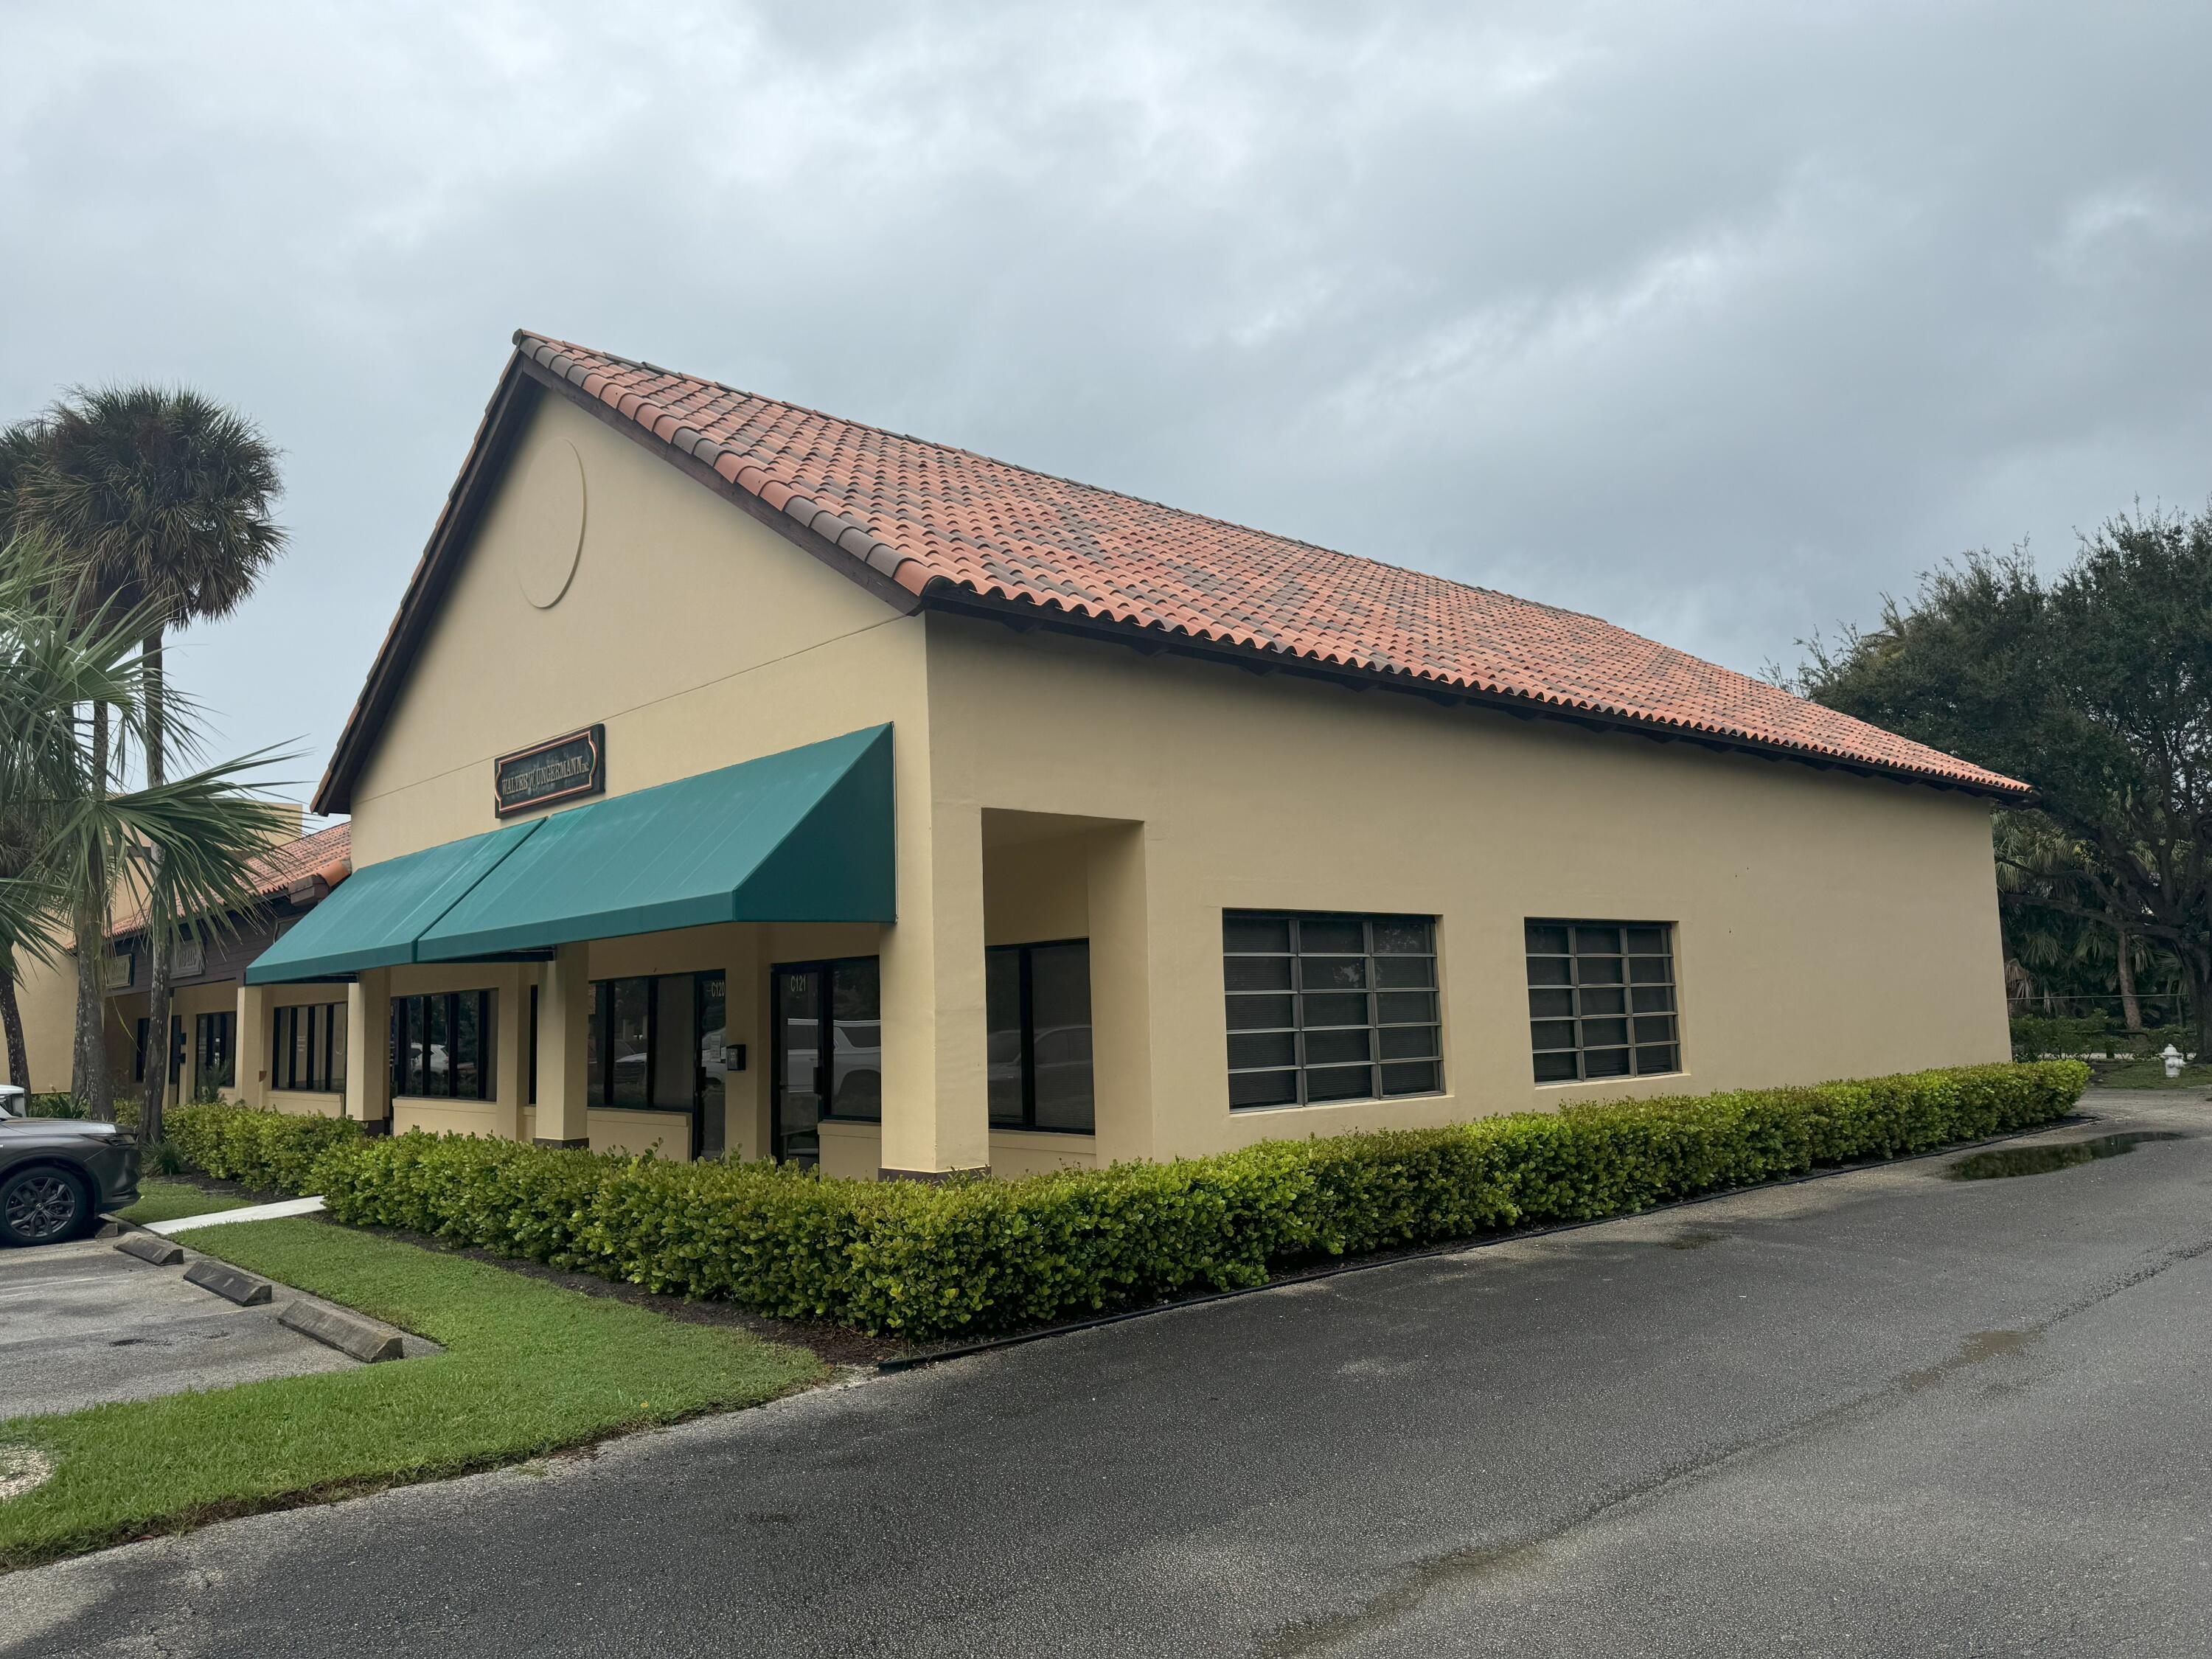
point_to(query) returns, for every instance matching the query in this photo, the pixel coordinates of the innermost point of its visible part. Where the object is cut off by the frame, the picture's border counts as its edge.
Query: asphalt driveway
(1884, 1413)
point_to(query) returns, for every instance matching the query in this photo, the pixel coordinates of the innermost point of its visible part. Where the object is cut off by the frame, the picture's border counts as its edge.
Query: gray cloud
(1715, 319)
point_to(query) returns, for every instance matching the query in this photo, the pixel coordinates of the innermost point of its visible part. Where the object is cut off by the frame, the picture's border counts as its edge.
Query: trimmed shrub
(275, 1151)
(973, 1257)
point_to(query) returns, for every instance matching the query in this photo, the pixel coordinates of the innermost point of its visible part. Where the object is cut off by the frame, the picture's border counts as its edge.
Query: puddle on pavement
(1693, 1238)
(2042, 1160)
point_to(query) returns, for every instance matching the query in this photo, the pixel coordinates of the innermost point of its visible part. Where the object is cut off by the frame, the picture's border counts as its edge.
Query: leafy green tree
(163, 498)
(59, 658)
(2095, 685)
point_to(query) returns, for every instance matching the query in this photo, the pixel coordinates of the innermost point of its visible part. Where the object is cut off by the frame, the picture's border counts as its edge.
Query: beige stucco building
(1106, 831)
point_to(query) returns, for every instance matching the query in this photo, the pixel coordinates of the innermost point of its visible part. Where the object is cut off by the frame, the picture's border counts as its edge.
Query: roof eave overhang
(1024, 615)
(521, 383)
(504, 416)
(525, 379)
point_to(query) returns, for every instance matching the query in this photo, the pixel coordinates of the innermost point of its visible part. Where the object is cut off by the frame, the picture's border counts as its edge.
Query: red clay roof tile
(327, 852)
(935, 518)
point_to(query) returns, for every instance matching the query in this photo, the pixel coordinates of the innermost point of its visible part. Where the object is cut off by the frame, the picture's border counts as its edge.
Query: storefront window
(1037, 1007)
(442, 1045)
(309, 1048)
(649, 1043)
(829, 1059)
(217, 1065)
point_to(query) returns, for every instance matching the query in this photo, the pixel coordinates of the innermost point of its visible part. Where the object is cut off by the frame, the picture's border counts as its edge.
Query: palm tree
(163, 497)
(18, 444)
(203, 831)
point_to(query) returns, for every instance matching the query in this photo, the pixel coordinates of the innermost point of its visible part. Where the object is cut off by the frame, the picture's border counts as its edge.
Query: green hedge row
(979, 1256)
(275, 1151)
(2034, 1035)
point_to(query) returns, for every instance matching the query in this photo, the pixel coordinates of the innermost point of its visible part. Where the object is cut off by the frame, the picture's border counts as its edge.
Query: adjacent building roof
(947, 525)
(324, 857)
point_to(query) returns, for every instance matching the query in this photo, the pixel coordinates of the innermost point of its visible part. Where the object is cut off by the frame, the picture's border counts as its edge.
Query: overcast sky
(1715, 319)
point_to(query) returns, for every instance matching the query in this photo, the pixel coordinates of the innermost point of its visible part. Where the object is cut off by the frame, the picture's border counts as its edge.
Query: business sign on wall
(560, 769)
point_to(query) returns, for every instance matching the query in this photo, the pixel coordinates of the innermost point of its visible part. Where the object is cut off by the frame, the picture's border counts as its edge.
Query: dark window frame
(215, 1032)
(1571, 1009)
(1027, 1017)
(602, 1037)
(325, 1073)
(1243, 1001)
(825, 1042)
(410, 1016)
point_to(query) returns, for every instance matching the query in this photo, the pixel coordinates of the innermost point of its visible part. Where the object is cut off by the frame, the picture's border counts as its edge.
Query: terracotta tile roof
(934, 518)
(327, 852)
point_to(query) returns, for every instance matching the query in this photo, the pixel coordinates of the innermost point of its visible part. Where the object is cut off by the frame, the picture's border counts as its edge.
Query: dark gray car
(57, 1174)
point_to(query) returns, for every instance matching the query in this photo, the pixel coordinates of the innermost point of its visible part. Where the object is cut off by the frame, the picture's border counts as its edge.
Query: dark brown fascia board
(904, 601)
(1024, 615)
(511, 400)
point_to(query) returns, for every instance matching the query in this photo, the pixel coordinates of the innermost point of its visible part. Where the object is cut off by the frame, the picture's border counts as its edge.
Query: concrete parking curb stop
(150, 1246)
(349, 1333)
(230, 1282)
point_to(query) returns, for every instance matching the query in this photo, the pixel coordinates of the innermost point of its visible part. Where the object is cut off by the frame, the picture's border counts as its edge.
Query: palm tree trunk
(89, 1080)
(11, 1018)
(2130, 1010)
(155, 1096)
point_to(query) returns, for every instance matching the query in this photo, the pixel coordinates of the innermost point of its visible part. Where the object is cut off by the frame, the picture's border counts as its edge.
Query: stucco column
(936, 1113)
(564, 1012)
(253, 1045)
(368, 1047)
(511, 1053)
(744, 1008)
(1120, 995)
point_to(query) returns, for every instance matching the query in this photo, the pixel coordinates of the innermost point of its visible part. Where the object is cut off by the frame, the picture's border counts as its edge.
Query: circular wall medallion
(550, 497)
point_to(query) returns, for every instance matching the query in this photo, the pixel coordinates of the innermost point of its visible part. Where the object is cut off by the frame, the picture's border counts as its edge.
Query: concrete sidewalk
(281, 1207)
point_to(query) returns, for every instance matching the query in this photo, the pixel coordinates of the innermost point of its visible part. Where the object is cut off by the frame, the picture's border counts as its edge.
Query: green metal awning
(804, 835)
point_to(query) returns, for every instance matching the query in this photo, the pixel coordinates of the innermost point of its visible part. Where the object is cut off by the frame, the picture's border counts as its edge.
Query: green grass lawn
(165, 1200)
(529, 1368)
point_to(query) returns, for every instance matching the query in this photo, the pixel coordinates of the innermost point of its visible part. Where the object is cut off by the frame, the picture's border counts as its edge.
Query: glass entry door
(829, 1051)
(710, 1019)
(799, 1062)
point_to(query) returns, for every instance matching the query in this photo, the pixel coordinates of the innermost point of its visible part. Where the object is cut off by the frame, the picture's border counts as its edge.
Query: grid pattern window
(307, 1051)
(1327, 1007)
(1037, 1013)
(442, 1044)
(1601, 999)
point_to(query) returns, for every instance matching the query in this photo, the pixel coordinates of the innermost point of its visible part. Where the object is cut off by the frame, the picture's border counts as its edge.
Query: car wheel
(43, 1205)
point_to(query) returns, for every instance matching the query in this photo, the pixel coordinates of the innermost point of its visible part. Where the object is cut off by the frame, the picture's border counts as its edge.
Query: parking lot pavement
(1885, 1414)
(81, 1323)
